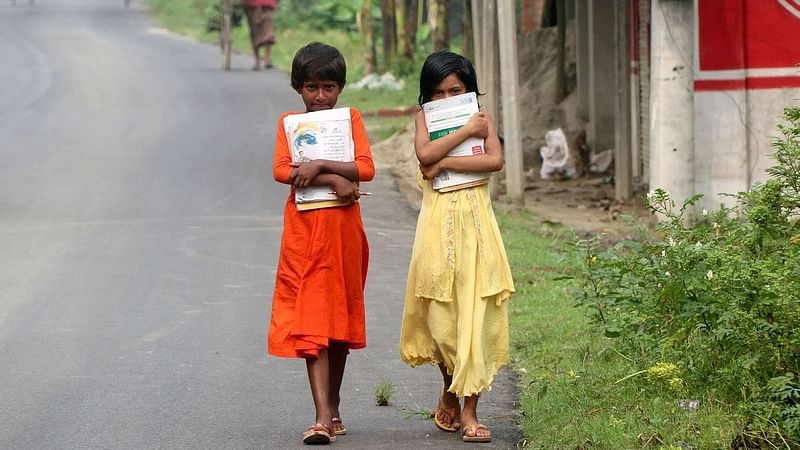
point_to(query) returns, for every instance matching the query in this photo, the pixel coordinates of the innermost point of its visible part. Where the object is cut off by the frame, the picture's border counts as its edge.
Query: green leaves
(717, 293)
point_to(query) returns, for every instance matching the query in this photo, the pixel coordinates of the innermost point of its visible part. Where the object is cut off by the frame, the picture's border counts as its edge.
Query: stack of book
(443, 117)
(326, 134)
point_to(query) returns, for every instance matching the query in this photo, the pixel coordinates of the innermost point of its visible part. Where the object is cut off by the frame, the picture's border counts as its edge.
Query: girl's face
(320, 94)
(449, 87)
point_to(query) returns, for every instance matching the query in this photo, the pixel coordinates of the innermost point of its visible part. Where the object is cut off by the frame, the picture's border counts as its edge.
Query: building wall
(746, 73)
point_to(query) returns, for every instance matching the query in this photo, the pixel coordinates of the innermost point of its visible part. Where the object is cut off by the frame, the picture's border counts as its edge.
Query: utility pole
(672, 99)
(227, 40)
(509, 77)
(623, 169)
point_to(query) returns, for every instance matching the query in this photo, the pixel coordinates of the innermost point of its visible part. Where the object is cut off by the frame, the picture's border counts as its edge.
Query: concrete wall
(742, 72)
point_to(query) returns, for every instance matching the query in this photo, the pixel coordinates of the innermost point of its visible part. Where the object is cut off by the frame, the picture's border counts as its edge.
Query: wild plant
(716, 294)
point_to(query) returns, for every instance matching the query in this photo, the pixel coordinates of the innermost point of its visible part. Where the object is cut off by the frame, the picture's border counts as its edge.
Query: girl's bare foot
(338, 426)
(448, 412)
(476, 432)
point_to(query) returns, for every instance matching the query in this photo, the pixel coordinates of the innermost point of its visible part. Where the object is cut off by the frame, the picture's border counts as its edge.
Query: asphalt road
(139, 232)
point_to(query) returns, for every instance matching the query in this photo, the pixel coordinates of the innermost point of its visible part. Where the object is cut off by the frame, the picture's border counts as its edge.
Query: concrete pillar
(569, 8)
(671, 98)
(509, 78)
(623, 169)
(602, 71)
(582, 57)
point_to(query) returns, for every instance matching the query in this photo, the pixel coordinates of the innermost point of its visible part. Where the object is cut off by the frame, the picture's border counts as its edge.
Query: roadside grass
(571, 396)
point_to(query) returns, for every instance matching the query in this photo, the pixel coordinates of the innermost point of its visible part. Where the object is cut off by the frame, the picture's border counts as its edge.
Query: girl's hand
(430, 171)
(346, 191)
(478, 125)
(304, 173)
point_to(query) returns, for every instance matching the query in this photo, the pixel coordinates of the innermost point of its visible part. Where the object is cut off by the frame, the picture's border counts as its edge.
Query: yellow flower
(663, 371)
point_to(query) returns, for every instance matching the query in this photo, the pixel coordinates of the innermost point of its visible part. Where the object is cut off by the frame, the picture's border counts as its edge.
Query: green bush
(213, 13)
(718, 298)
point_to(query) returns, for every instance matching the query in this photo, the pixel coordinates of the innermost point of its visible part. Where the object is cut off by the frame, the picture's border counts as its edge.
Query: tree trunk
(389, 33)
(400, 19)
(437, 19)
(366, 28)
(466, 31)
(409, 42)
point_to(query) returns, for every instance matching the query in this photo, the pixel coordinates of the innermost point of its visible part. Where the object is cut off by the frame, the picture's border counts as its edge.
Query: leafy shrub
(213, 13)
(718, 296)
(321, 14)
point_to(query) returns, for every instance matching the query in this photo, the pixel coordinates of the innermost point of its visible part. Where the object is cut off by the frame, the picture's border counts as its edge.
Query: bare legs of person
(325, 375)
(448, 410)
(450, 417)
(472, 429)
(266, 59)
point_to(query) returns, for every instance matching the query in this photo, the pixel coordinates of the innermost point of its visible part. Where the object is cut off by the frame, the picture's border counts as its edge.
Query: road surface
(139, 228)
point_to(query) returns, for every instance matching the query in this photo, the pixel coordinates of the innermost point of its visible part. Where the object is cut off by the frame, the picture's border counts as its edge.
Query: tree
(437, 19)
(466, 30)
(389, 33)
(367, 29)
(409, 39)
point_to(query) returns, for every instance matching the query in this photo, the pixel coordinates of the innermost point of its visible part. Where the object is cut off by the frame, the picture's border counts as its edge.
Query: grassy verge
(571, 393)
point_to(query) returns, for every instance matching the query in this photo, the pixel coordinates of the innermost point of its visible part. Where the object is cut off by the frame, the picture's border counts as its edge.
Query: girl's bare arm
(489, 161)
(308, 173)
(430, 152)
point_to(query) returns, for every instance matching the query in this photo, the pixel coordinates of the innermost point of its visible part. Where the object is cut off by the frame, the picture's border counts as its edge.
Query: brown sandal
(475, 438)
(318, 434)
(338, 426)
(448, 412)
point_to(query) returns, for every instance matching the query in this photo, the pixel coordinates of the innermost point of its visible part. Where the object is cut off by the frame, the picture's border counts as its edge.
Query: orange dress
(322, 267)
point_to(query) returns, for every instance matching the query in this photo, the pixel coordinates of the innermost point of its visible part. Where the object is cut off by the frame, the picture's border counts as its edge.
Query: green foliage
(719, 298)
(213, 13)
(384, 393)
(320, 15)
(576, 390)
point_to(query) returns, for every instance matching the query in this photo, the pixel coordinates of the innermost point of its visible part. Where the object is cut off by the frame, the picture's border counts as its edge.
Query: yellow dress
(455, 310)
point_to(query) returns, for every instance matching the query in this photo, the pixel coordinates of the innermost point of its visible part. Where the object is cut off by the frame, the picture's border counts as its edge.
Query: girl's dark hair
(438, 66)
(318, 61)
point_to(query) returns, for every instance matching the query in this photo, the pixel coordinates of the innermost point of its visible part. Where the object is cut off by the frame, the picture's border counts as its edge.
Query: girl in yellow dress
(456, 313)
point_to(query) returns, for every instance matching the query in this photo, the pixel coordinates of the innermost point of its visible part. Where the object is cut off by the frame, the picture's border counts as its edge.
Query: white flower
(667, 273)
(671, 242)
(663, 253)
(705, 212)
(709, 274)
(715, 225)
(698, 244)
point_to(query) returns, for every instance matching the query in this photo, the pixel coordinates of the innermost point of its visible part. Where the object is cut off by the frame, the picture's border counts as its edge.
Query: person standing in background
(262, 34)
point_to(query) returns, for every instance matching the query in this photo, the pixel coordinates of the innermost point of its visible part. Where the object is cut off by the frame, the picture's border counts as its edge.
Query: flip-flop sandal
(341, 429)
(318, 434)
(475, 437)
(441, 407)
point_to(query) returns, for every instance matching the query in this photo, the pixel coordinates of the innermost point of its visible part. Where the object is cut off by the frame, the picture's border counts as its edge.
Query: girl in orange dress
(318, 304)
